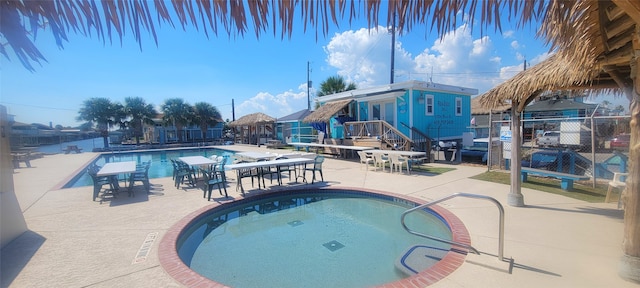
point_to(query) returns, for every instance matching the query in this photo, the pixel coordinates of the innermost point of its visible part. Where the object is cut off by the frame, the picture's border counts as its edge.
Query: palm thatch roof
(21, 20)
(252, 120)
(594, 41)
(477, 108)
(326, 111)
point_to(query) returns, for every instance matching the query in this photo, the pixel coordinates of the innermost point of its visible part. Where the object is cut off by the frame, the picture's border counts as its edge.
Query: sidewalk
(74, 242)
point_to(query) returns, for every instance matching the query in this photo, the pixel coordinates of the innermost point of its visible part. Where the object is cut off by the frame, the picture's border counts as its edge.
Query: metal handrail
(469, 247)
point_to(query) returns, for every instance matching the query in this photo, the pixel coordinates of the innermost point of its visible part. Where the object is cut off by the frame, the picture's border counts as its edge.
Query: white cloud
(278, 105)
(508, 34)
(363, 57)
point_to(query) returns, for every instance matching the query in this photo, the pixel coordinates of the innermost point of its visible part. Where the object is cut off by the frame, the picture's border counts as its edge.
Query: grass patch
(581, 192)
(431, 170)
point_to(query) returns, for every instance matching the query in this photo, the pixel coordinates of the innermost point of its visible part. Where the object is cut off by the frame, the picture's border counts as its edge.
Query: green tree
(139, 113)
(103, 113)
(177, 113)
(205, 115)
(335, 84)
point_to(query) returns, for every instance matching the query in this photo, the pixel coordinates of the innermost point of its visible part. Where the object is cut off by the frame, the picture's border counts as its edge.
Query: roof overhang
(326, 111)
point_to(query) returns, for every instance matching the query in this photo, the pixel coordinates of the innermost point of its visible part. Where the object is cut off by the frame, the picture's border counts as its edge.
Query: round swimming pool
(309, 238)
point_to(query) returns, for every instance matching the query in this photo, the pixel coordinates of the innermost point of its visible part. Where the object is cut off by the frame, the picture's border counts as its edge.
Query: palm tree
(335, 84)
(103, 113)
(205, 115)
(140, 113)
(176, 113)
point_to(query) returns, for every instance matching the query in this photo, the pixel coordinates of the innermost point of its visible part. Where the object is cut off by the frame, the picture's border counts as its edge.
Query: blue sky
(266, 75)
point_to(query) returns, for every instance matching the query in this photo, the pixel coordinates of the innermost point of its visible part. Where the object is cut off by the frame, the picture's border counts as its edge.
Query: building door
(383, 111)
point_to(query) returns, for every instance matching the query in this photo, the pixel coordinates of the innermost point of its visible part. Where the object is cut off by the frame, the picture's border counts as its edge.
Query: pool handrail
(469, 247)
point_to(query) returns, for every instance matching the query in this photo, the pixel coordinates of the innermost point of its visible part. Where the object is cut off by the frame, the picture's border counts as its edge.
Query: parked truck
(572, 135)
(549, 139)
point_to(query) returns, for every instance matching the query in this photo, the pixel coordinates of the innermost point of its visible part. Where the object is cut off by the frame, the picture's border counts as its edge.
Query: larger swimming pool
(306, 238)
(160, 164)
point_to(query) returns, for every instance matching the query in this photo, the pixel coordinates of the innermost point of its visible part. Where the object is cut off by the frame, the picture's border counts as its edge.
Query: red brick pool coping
(173, 265)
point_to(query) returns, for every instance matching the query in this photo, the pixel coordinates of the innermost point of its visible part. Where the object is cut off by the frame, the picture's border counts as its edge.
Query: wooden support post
(515, 197)
(630, 262)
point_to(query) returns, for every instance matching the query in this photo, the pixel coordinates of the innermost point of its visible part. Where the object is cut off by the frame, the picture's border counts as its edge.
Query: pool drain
(333, 245)
(295, 223)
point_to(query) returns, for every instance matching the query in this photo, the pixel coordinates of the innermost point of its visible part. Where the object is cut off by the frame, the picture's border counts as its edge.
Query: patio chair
(285, 168)
(618, 183)
(398, 161)
(183, 172)
(247, 173)
(214, 178)
(365, 159)
(99, 182)
(381, 160)
(268, 170)
(317, 166)
(141, 175)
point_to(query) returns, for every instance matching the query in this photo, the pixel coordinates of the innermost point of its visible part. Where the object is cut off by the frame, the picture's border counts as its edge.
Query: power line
(36, 106)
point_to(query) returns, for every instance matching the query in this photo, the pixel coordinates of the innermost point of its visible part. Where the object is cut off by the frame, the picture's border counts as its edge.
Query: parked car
(479, 151)
(620, 142)
(572, 162)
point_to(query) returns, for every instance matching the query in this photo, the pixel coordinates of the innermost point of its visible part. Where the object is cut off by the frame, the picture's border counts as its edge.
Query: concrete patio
(72, 241)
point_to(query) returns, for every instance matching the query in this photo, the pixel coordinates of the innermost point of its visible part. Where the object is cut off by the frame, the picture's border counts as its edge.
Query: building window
(458, 106)
(429, 104)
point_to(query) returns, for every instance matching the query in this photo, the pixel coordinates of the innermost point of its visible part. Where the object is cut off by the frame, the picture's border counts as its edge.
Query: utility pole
(393, 46)
(308, 87)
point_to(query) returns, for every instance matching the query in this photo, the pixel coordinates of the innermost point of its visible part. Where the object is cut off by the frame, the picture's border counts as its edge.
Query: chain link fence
(595, 147)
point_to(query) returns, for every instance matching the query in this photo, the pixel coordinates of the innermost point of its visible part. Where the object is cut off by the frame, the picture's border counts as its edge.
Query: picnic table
(72, 148)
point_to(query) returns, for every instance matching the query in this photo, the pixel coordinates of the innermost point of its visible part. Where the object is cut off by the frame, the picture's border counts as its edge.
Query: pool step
(418, 258)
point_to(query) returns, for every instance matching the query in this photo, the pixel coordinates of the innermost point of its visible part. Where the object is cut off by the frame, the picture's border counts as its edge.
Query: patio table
(260, 164)
(197, 160)
(116, 168)
(255, 156)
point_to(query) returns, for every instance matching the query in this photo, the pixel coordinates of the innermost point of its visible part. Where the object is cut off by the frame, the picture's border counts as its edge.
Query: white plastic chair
(617, 183)
(365, 159)
(381, 160)
(398, 161)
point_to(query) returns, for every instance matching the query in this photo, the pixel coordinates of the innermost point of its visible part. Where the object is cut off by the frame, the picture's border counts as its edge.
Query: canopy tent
(253, 128)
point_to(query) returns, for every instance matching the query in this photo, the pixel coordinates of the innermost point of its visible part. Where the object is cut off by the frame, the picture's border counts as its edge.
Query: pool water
(160, 162)
(307, 240)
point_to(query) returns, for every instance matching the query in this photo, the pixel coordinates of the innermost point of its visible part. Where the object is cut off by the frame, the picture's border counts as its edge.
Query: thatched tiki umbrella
(250, 127)
(598, 49)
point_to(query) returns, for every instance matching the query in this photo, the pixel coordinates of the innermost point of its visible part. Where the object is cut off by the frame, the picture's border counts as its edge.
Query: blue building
(291, 128)
(400, 114)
